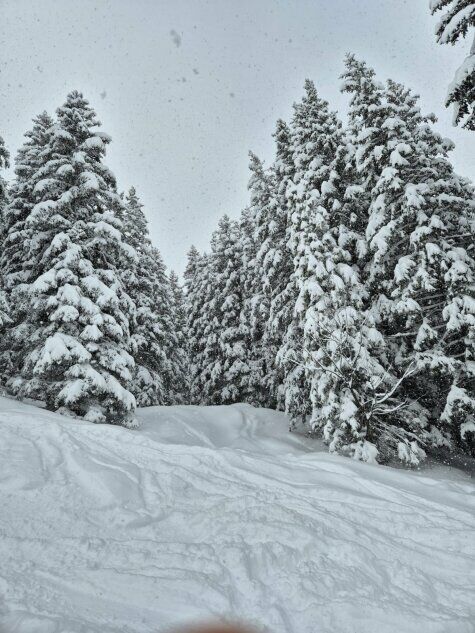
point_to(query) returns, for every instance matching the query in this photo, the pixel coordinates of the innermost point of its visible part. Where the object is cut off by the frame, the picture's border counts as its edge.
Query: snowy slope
(219, 511)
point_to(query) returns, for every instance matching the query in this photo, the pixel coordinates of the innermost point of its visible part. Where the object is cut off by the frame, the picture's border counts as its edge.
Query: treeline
(90, 320)
(345, 293)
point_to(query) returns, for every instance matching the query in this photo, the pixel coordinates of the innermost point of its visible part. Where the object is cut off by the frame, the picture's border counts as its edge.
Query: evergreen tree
(171, 353)
(199, 293)
(29, 174)
(15, 260)
(338, 338)
(179, 353)
(315, 140)
(458, 16)
(78, 313)
(225, 356)
(418, 268)
(433, 281)
(144, 282)
(217, 332)
(193, 258)
(276, 263)
(255, 311)
(365, 111)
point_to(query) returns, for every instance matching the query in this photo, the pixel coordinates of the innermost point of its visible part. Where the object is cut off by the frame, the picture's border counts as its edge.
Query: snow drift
(220, 512)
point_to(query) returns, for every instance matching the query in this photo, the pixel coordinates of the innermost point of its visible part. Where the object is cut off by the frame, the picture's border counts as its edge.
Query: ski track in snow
(219, 512)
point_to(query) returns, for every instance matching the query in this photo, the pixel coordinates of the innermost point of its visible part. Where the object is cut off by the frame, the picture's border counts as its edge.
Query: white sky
(187, 87)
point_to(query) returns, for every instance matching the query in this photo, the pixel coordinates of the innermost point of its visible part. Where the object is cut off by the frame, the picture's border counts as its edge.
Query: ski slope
(220, 512)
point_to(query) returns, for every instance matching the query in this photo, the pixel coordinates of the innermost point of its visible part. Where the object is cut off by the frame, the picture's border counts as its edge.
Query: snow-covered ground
(219, 511)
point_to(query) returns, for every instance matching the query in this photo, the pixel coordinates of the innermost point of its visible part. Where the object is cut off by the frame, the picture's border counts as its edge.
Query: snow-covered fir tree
(255, 308)
(147, 341)
(338, 338)
(458, 17)
(433, 293)
(419, 226)
(29, 165)
(16, 261)
(198, 331)
(369, 116)
(364, 116)
(164, 315)
(275, 263)
(179, 353)
(77, 356)
(225, 354)
(315, 139)
(218, 334)
(193, 258)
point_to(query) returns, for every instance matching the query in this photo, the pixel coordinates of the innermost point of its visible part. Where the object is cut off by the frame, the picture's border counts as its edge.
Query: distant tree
(255, 308)
(458, 16)
(276, 263)
(144, 281)
(170, 369)
(193, 258)
(179, 354)
(226, 354)
(199, 330)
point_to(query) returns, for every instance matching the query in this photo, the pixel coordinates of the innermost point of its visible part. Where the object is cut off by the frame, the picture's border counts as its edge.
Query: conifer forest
(280, 433)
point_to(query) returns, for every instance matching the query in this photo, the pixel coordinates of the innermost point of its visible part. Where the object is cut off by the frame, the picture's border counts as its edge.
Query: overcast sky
(186, 87)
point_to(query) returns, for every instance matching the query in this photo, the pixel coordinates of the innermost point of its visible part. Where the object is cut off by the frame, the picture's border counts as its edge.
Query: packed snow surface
(219, 512)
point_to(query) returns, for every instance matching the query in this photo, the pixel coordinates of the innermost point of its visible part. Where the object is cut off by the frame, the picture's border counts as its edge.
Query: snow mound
(220, 512)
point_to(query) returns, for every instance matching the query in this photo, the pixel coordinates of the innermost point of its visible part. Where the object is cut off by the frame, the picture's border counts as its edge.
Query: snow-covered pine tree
(225, 356)
(193, 258)
(143, 281)
(180, 356)
(315, 140)
(433, 289)
(337, 337)
(15, 259)
(370, 118)
(419, 270)
(199, 293)
(164, 315)
(275, 263)
(76, 358)
(217, 335)
(29, 162)
(364, 116)
(255, 310)
(458, 16)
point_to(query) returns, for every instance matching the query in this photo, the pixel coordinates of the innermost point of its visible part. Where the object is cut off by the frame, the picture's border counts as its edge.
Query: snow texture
(210, 512)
